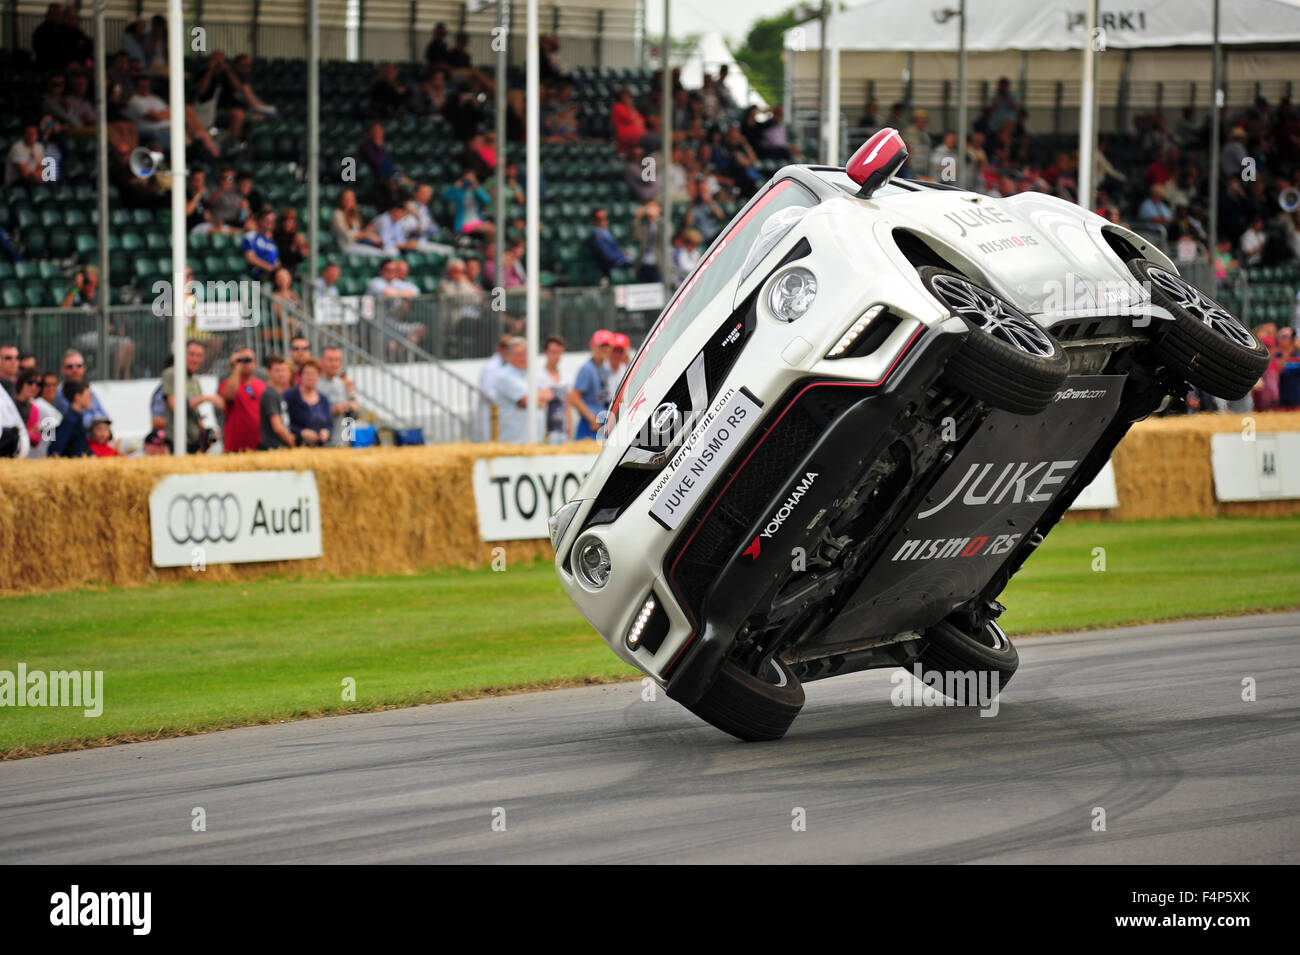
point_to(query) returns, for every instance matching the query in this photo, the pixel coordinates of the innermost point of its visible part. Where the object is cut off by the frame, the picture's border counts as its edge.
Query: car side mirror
(876, 160)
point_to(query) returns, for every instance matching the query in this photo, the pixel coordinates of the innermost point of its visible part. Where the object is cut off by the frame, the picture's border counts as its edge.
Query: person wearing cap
(918, 145)
(101, 441)
(589, 395)
(619, 347)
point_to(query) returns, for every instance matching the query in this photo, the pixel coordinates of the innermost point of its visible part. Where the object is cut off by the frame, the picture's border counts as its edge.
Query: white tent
(996, 25)
(710, 53)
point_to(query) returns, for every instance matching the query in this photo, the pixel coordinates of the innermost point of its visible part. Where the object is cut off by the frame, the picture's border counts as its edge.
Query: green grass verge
(185, 658)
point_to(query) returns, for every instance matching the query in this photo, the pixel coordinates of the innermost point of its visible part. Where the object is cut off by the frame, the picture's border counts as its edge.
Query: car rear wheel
(1205, 343)
(749, 707)
(1008, 360)
(949, 649)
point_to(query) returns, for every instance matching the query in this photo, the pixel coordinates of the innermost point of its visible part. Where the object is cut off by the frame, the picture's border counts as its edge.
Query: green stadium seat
(36, 296)
(157, 241)
(132, 242)
(11, 296)
(119, 217)
(49, 270)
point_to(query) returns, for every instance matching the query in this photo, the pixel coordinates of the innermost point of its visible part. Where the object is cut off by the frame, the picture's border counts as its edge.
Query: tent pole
(821, 84)
(532, 211)
(832, 92)
(1216, 104)
(1087, 134)
(961, 94)
(665, 170)
(176, 124)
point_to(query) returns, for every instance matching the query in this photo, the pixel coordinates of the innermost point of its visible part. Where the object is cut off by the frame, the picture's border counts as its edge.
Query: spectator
(629, 124)
(198, 218)
(101, 441)
(273, 411)
(352, 237)
(419, 225)
(463, 72)
(259, 248)
(470, 199)
(639, 176)
(481, 155)
(437, 53)
(26, 157)
(74, 370)
(13, 429)
(686, 256)
(387, 94)
(512, 395)
(590, 393)
(226, 205)
(242, 394)
(391, 227)
(516, 118)
(774, 137)
(339, 392)
(381, 286)
(487, 396)
(559, 421)
(299, 353)
(85, 295)
(197, 437)
(285, 302)
(943, 160)
(149, 112)
(511, 265)
(465, 114)
(645, 233)
(604, 248)
(70, 438)
(50, 416)
(619, 346)
(291, 243)
(550, 67)
(429, 98)
(1155, 212)
(1233, 155)
(49, 42)
(135, 193)
(133, 43)
(77, 45)
(9, 369)
(257, 203)
(223, 97)
(1004, 106)
(1254, 242)
(725, 99)
(310, 418)
(514, 191)
(918, 144)
(25, 394)
(704, 214)
(327, 283)
(388, 177)
(560, 119)
(454, 281)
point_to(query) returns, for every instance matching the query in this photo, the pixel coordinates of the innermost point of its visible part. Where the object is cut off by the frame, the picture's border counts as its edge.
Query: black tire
(751, 708)
(1205, 343)
(950, 649)
(1009, 363)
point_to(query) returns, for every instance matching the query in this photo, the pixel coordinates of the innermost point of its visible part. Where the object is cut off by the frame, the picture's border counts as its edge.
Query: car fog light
(639, 625)
(593, 563)
(855, 330)
(792, 294)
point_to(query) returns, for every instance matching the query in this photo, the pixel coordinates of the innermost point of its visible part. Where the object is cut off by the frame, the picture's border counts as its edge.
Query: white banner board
(1101, 494)
(1266, 468)
(234, 518)
(514, 496)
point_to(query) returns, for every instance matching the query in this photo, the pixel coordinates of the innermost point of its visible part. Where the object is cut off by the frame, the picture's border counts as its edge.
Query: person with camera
(470, 199)
(242, 394)
(197, 437)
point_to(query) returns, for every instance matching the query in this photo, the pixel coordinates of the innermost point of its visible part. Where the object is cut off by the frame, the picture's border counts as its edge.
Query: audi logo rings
(203, 518)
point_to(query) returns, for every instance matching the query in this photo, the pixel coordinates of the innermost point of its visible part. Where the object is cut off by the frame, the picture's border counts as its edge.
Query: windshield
(717, 270)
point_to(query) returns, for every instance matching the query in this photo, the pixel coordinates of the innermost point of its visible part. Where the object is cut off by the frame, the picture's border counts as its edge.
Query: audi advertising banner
(515, 495)
(199, 519)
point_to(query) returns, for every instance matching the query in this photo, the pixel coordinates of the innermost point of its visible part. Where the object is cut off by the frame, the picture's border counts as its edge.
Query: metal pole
(665, 171)
(176, 122)
(821, 86)
(1216, 104)
(961, 94)
(101, 174)
(832, 92)
(534, 130)
(499, 247)
(313, 151)
(1087, 134)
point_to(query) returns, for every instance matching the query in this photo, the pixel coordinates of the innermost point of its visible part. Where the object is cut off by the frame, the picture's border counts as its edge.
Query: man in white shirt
(23, 164)
(512, 397)
(147, 111)
(487, 395)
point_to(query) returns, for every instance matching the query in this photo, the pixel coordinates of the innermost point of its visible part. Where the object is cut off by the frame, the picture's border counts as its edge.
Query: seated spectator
(133, 43)
(223, 97)
(134, 192)
(148, 111)
(629, 124)
(560, 118)
(514, 191)
(1254, 242)
(257, 203)
(310, 420)
(391, 227)
(25, 160)
(686, 256)
(389, 179)
(704, 214)
(511, 388)
(429, 98)
(774, 137)
(465, 114)
(352, 236)
(259, 248)
(743, 163)
(512, 265)
(241, 392)
(227, 207)
(198, 218)
(242, 68)
(291, 243)
(387, 94)
(273, 410)
(481, 155)
(339, 392)
(381, 286)
(70, 438)
(639, 177)
(516, 118)
(470, 200)
(419, 225)
(604, 248)
(285, 302)
(101, 441)
(327, 283)
(1154, 211)
(455, 283)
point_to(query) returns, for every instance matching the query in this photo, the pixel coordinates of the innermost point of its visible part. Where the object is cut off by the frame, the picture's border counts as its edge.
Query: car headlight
(559, 522)
(592, 562)
(792, 294)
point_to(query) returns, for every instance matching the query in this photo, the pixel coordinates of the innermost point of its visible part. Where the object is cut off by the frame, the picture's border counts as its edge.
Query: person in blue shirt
(604, 248)
(74, 369)
(70, 439)
(589, 395)
(310, 419)
(259, 248)
(470, 200)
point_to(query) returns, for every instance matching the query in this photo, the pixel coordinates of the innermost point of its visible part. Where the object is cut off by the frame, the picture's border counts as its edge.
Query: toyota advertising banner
(234, 518)
(514, 496)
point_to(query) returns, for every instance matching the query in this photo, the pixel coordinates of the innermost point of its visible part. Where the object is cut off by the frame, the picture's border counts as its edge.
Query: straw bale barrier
(65, 524)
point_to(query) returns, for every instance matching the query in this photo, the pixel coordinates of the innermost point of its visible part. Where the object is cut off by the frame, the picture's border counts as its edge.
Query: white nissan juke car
(857, 419)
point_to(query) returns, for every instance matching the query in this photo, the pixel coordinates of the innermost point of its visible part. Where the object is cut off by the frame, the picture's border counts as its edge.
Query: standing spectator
(686, 256)
(50, 416)
(918, 144)
(29, 386)
(339, 391)
(774, 137)
(1004, 106)
(74, 370)
(273, 411)
(559, 423)
(352, 236)
(70, 439)
(487, 395)
(9, 369)
(299, 354)
(619, 346)
(13, 429)
(604, 248)
(590, 393)
(645, 233)
(1154, 211)
(259, 248)
(437, 53)
(512, 395)
(242, 394)
(25, 159)
(49, 41)
(195, 433)
(310, 419)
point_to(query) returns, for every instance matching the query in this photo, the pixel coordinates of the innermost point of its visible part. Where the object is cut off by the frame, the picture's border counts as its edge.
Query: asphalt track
(1146, 723)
